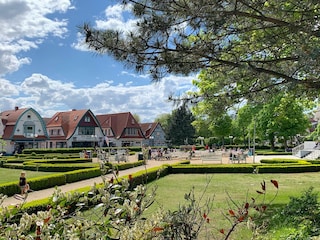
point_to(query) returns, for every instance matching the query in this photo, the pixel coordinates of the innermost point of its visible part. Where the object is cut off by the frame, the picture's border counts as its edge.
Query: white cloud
(8, 89)
(47, 96)
(116, 17)
(24, 25)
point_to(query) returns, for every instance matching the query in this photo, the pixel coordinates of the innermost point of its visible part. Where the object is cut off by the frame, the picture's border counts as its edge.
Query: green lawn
(171, 190)
(11, 175)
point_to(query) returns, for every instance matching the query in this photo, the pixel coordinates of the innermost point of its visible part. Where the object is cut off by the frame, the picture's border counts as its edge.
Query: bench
(159, 157)
(211, 157)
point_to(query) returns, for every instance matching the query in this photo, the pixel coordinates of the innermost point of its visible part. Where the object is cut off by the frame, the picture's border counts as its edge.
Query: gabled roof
(69, 121)
(148, 128)
(10, 118)
(118, 122)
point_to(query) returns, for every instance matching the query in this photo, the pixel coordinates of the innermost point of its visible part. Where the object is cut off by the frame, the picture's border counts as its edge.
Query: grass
(11, 175)
(171, 190)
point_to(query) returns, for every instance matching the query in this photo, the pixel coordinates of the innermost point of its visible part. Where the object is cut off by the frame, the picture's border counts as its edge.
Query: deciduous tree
(282, 117)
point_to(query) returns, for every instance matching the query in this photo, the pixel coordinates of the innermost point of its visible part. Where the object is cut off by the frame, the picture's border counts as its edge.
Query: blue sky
(44, 65)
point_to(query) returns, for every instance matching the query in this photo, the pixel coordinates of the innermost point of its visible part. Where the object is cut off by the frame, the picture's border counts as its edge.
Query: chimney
(16, 108)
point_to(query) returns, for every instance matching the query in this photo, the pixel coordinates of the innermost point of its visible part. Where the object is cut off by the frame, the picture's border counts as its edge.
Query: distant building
(154, 134)
(76, 128)
(25, 128)
(121, 129)
(22, 128)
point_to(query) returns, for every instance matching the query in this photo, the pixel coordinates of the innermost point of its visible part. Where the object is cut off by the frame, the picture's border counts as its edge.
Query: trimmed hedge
(51, 167)
(288, 168)
(124, 166)
(59, 179)
(77, 175)
(52, 180)
(286, 161)
(234, 168)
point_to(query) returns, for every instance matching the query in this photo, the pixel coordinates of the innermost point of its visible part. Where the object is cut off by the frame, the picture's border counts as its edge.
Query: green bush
(299, 219)
(235, 168)
(78, 175)
(288, 168)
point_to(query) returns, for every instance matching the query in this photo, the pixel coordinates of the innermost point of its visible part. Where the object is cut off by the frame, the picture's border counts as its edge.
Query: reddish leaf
(111, 180)
(46, 220)
(231, 212)
(38, 233)
(246, 206)
(130, 177)
(204, 216)
(264, 207)
(158, 229)
(221, 230)
(275, 183)
(240, 219)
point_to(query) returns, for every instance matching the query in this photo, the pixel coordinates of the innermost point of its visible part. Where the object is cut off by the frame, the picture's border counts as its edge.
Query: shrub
(299, 219)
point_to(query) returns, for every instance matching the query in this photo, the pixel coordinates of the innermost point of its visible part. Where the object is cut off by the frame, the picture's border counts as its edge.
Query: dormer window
(87, 118)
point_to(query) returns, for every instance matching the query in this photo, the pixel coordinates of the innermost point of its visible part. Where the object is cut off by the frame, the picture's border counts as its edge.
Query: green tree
(247, 48)
(137, 117)
(180, 130)
(282, 117)
(201, 126)
(221, 127)
(163, 119)
(242, 124)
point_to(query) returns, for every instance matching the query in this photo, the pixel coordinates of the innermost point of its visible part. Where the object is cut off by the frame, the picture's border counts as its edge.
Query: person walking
(23, 184)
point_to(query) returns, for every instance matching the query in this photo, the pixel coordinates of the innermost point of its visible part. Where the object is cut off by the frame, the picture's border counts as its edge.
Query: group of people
(159, 153)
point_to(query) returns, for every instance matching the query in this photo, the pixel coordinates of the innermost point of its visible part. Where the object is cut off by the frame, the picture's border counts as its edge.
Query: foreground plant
(249, 211)
(115, 210)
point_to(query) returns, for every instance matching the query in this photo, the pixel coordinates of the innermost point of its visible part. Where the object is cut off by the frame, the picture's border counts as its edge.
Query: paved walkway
(45, 193)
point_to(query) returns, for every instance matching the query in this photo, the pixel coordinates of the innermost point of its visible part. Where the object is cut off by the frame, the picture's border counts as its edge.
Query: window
(87, 118)
(86, 131)
(131, 132)
(28, 130)
(108, 132)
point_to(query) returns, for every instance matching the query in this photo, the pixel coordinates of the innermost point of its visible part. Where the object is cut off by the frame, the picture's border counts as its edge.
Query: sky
(44, 64)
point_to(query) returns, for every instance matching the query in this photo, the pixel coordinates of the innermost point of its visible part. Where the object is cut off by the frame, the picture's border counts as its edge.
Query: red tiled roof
(148, 128)
(68, 121)
(118, 122)
(9, 119)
